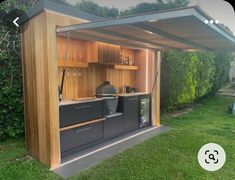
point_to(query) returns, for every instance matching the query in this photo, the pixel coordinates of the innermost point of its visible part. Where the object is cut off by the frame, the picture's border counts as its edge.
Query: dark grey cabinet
(129, 106)
(113, 126)
(78, 137)
(80, 112)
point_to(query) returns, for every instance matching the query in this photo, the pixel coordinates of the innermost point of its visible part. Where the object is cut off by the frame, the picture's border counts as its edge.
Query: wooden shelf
(118, 66)
(72, 64)
(126, 67)
(82, 124)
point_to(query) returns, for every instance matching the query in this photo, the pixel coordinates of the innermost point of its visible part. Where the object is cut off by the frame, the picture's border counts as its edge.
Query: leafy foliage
(159, 5)
(11, 98)
(11, 102)
(186, 77)
(95, 9)
(222, 66)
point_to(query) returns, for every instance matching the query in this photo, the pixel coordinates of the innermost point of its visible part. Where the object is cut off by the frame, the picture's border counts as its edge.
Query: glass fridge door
(144, 112)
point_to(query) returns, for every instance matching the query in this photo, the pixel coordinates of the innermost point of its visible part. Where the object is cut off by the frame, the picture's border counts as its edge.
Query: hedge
(187, 77)
(11, 101)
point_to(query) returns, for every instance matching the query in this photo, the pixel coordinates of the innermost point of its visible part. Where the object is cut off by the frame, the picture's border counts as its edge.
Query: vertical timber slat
(156, 91)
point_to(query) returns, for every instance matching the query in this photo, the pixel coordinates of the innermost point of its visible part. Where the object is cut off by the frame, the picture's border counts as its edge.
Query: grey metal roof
(182, 29)
(59, 8)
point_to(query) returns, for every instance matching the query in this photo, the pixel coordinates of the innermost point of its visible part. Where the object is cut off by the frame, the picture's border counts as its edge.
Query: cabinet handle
(81, 130)
(133, 99)
(82, 107)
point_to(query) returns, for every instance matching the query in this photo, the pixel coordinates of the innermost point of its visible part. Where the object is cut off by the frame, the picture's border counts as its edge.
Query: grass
(15, 163)
(172, 155)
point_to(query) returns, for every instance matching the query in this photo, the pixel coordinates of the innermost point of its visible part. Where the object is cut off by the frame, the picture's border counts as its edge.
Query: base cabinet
(129, 106)
(113, 126)
(81, 136)
(80, 112)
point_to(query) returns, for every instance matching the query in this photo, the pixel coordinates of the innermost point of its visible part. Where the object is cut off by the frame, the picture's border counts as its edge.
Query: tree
(97, 10)
(150, 7)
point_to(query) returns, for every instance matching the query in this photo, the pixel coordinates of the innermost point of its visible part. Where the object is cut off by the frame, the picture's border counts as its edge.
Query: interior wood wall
(40, 79)
(82, 82)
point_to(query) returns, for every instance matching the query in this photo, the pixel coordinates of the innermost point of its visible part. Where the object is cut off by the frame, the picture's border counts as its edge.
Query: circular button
(211, 157)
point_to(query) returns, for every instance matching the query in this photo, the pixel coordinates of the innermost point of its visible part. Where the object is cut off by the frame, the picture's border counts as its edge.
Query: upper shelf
(125, 67)
(72, 64)
(117, 66)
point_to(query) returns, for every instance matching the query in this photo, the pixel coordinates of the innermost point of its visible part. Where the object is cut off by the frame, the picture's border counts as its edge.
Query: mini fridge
(144, 110)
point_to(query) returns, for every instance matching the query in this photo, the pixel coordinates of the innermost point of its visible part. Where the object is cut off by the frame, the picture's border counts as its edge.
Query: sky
(218, 9)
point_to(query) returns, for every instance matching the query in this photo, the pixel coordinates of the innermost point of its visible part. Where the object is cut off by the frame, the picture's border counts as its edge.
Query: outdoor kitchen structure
(88, 80)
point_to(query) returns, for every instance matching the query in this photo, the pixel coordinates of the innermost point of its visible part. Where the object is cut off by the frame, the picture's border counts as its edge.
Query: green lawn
(172, 155)
(15, 163)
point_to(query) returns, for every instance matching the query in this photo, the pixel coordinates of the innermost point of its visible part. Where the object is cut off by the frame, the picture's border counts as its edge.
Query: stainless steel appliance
(144, 110)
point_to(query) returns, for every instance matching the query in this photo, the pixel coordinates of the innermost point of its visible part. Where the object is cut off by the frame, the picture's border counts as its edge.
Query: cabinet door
(131, 113)
(108, 53)
(113, 126)
(79, 137)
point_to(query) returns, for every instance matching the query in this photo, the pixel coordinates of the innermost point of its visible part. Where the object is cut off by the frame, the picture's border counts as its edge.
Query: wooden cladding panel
(108, 53)
(82, 82)
(127, 52)
(120, 78)
(144, 75)
(91, 51)
(30, 91)
(36, 91)
(75, 84)
(76, 50)
(40, 79)
(156, 91)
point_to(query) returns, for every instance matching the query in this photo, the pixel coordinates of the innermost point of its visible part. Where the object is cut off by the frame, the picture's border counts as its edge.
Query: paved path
(88, 158)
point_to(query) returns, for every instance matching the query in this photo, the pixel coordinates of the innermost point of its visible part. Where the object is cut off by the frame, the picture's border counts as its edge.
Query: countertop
(80, 100)
(93, 99)
(133, 94)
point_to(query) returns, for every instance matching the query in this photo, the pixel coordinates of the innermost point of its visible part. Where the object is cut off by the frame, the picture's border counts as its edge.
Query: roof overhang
(180, 29)
(46, 5)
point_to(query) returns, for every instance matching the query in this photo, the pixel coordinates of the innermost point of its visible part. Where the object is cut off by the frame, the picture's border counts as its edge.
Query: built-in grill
(108, 93)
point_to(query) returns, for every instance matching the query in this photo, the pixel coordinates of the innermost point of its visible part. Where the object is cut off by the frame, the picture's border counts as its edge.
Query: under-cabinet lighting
(148, 32)
(147, 44)
(153, 20)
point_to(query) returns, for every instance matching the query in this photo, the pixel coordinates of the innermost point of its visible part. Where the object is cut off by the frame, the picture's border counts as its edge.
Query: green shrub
(187, 77)
(205, 73)
(222, 66)
(177, 79)
(11, 101)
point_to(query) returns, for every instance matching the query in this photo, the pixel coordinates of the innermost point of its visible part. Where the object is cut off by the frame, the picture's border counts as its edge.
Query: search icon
(212, 157)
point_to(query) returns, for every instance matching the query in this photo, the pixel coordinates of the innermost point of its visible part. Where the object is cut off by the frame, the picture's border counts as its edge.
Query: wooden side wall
(156, 91)
(40, 73)
(143, 77)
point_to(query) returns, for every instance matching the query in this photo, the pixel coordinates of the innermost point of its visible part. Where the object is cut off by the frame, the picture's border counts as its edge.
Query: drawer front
(94, 110)
(76, 137)
(72, 114)
(113, 126)
(77, 113)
